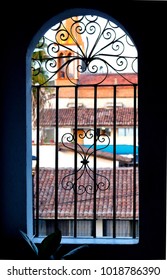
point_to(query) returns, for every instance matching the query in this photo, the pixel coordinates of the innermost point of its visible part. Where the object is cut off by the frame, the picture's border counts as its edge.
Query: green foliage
(40, 76)
(50, 247)
(39, 57)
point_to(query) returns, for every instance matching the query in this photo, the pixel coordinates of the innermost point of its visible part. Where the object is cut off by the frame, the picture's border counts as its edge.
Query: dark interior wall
(146, 23)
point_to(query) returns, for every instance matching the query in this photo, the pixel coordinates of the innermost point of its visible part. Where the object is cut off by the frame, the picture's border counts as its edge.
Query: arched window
(85, 130)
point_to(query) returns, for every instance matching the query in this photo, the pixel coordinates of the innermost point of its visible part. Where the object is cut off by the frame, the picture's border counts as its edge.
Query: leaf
(29, 242)
(50, 244)
(75, 253)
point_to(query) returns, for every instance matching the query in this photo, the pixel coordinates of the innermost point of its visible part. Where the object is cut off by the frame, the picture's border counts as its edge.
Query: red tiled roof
(109, 79)
(85, 202)
(85, 117)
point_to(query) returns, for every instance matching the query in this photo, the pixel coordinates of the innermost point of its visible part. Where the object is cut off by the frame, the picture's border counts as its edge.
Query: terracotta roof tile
(105, 117)
(104, 202)
(111, 79)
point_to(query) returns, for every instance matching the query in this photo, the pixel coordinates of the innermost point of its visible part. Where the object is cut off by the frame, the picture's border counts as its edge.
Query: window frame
(98, 240)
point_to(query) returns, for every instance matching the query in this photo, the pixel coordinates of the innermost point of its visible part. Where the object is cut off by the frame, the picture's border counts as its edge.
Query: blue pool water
(120, 149)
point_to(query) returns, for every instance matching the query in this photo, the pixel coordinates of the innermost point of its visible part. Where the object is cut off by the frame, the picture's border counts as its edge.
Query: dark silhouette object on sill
(51, 248)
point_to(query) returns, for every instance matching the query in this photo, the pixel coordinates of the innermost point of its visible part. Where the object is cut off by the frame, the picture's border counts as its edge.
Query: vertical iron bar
(75, 162)
(114, 164)
(56, 156)
(95, 129)
(37, 164)
(134, 168)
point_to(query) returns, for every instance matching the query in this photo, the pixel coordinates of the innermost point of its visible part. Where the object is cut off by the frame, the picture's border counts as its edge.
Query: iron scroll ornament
(69, 181)
(107, 49)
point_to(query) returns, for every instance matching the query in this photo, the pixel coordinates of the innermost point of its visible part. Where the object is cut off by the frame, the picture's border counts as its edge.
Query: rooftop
(85, 201)
(85, 117)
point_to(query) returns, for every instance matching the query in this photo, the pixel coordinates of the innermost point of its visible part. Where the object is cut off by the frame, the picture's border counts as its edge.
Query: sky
(115, 43)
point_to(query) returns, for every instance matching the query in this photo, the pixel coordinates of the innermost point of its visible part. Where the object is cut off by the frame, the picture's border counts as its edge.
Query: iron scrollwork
(74, 179)
(107, 49)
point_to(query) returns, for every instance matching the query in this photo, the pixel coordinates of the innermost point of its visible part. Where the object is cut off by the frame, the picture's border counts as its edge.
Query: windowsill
(98, 241)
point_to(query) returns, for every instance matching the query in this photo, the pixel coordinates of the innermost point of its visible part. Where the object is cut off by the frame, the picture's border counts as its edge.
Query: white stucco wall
(66, 159)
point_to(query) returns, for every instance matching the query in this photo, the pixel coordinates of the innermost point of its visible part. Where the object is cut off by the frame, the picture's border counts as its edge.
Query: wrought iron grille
(76, 65)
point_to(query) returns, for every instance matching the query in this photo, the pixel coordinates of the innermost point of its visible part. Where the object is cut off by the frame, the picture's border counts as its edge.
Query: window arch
(102, 199)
